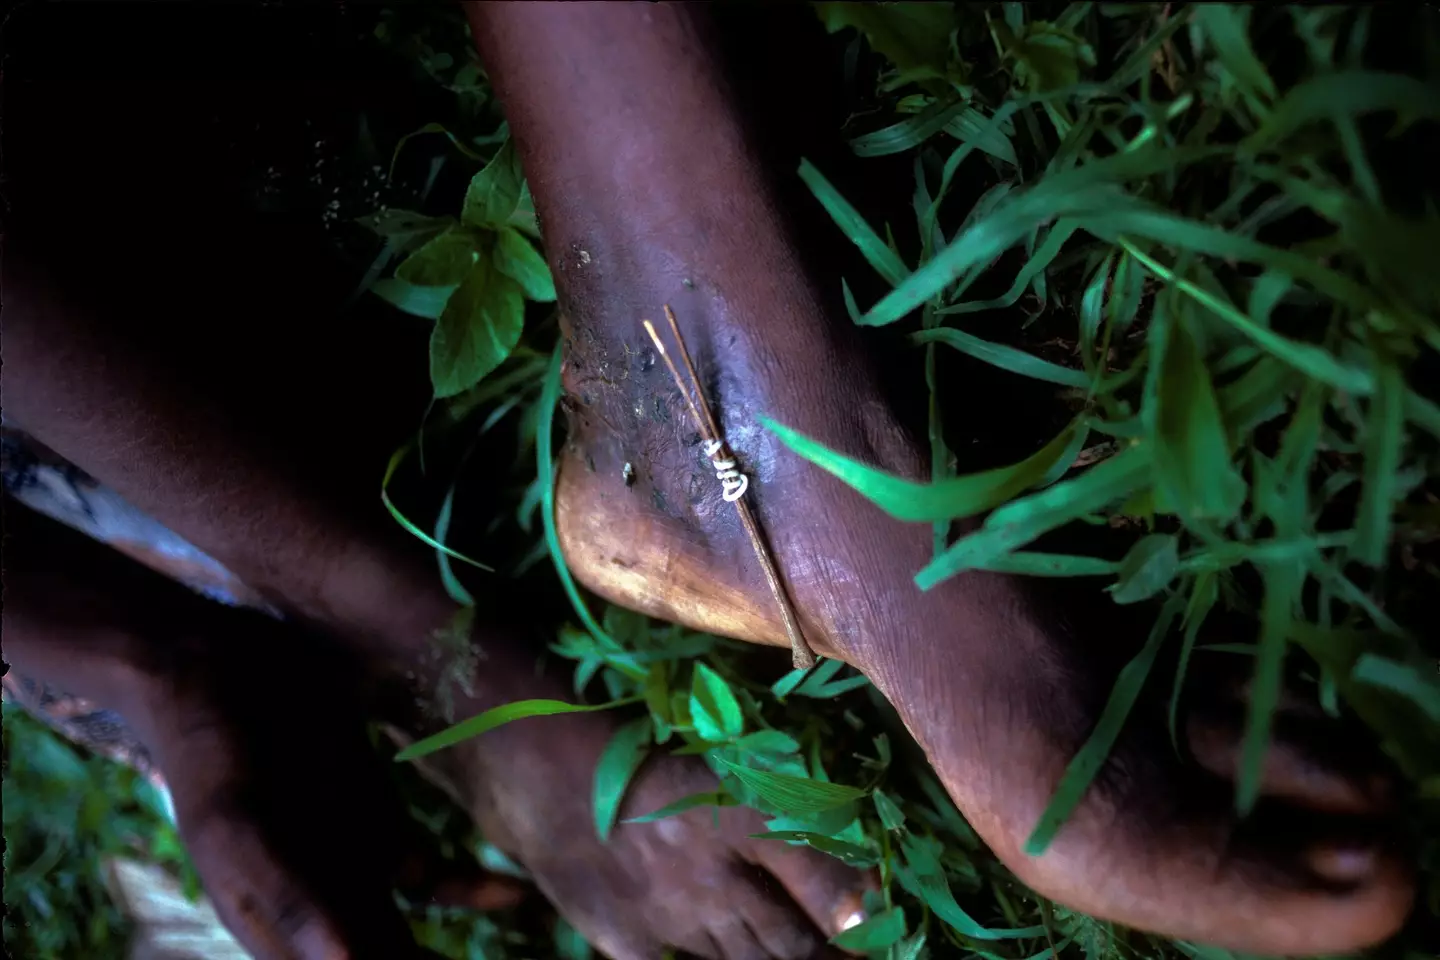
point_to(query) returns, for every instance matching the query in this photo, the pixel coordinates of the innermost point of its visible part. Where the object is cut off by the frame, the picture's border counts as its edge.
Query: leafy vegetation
(1199, 234)
(1214, 250)
(66, 812)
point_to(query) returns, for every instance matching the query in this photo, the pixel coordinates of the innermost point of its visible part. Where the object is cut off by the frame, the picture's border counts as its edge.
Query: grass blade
(453, 586)
(497, 717)
(1053, 565)
(972, 128)
(397, 458)
(1400, 678)
(1017, 523)
(1282, 590)
(1092, 756)
(1384, 431)
(908, 133)
(1202, 598)
(718, 798)
(922, 875)
(1307, 358)
(1034, 268)
(876, 251)
(923, 502)
(1006, 358)
(1351, 93)
(1193, 468)
(623, 756)
(545, 463)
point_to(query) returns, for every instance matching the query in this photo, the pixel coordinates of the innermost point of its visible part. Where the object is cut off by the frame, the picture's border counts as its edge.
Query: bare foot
(978, 667)
(688, 882)
(693, 882)
(998, 690)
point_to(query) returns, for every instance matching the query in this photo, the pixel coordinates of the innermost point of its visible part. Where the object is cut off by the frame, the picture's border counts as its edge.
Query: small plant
(65, 814)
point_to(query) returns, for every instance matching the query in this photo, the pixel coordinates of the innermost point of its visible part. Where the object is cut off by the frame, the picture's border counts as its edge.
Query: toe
(764, 921)
(829, 892)
(1310, 762)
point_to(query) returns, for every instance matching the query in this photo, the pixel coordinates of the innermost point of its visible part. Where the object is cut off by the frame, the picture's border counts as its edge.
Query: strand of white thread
(727, 471)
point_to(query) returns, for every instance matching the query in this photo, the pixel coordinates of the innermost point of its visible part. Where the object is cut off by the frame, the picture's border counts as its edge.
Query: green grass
(1209, 208)
(1202, 236)
(65, 812)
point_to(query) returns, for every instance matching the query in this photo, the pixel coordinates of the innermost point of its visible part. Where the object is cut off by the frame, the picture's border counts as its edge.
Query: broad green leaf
(494, 192)
(480, 325)
(717, 798)
(1192, 452)
(713, 707)
(850, 854)
(1226, 27)
(496, 717)
(1283, 583)
(444, 261)
(426, 302)
(1047, 56)
(405, 226)
(1021, 521)
(618, 764)
(890, 815)
(1401, 678)
(1384, 432)
(520, 261)
(923, 876)
(908, 133)
(877, 253)
(793, 795)
(880, 931)
(924, 502)
(1148, 568)
(1349, 93)
(1081, 771)
(1006, 358)
(915, 37)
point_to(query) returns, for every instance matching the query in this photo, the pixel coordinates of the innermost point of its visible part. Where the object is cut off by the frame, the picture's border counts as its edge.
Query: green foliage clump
(1207, 225)
(65, 813)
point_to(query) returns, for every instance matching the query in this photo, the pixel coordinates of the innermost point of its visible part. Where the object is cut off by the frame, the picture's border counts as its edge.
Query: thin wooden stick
(801, 654)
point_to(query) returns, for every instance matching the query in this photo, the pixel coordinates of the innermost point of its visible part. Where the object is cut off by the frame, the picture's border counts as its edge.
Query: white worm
(727, 470)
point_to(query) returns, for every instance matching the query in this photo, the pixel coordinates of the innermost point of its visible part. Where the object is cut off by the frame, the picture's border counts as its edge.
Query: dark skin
(279, 507)
(980, 667)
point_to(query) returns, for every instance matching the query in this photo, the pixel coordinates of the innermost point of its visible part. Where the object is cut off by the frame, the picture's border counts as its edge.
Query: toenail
(1343, 863)
(849, 912)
